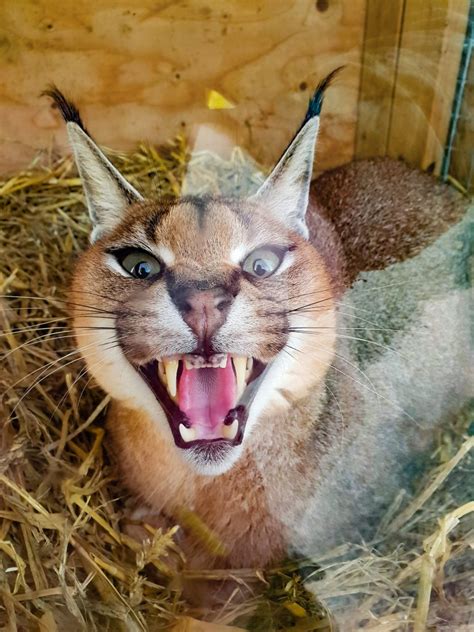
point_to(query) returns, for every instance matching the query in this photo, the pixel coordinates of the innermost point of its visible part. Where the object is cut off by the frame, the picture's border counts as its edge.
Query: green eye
(140, 264)
(262, 262)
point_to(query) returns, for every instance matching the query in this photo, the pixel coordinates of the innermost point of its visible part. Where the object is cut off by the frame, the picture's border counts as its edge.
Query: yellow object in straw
(216, 101)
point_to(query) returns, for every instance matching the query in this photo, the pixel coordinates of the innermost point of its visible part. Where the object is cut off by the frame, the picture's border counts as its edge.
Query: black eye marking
(155, 219)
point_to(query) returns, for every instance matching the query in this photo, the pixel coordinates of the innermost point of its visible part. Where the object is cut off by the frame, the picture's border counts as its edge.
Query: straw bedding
(66, 563)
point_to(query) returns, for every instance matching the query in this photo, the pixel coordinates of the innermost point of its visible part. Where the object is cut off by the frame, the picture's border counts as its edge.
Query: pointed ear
(108, 194)
(285, 192)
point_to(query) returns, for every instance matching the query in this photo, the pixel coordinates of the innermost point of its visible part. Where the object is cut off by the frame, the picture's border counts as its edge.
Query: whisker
(376, 344)
(319, 291)
(364, 320)
(293, 348)
(59, 368)
(303, 307)
(65, 315)
(350, 306)
(360, 288)
(309, 329)
(351, 364)
(107, 298)
(51, 330)
(53, 337)
(337, 404)
(38, 340)
(42, 324)
(379, 395)
(288, 353)
(62, 300)
(25, 329)
(44, 368)
(366, 340)
(95, 328)
(41, 378)
(82, 373)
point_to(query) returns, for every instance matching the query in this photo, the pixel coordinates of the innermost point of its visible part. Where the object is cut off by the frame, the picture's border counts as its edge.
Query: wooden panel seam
(380, 56)
(430, 52)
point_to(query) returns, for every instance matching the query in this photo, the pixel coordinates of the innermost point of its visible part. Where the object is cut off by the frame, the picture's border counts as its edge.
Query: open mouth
(206, 399)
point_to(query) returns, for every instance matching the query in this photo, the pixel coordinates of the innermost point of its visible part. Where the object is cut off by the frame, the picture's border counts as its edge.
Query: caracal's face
(194, 310)
(198, 317)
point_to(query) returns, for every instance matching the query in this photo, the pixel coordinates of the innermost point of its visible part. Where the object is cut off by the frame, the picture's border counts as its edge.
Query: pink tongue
(206, 396)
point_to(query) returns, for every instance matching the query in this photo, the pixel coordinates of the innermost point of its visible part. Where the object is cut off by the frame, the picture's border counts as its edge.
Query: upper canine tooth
(249, 366)
(171, 369)
(240, 363)
(187, 434)
(161, 371)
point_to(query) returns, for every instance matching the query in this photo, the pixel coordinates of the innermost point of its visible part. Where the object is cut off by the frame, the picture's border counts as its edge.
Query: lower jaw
(239, 413)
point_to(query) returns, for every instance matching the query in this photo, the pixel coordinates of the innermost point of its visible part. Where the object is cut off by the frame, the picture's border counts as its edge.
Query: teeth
(187, 434)
(161, 371)
(240, 366)
(218, 360)
(171, 369)
(168, 370)
(230, 432)
(249, 367)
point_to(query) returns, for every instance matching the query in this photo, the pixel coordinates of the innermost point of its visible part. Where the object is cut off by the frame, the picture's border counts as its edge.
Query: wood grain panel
(430, 52)
(140, 71)
(383, 31)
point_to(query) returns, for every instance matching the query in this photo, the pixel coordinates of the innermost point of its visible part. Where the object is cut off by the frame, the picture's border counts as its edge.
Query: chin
(213, 459)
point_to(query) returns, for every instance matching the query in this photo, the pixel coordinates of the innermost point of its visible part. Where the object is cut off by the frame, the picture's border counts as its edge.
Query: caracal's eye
(262, 262)
(140, 264)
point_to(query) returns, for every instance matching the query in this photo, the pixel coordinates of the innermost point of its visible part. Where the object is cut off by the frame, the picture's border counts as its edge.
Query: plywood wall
(410, 64)
(140, 71)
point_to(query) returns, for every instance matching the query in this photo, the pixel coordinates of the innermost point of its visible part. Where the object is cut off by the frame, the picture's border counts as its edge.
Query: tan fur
(245, 507)
(232, 505)
(251, 508)
(327, 436)
(383, 211)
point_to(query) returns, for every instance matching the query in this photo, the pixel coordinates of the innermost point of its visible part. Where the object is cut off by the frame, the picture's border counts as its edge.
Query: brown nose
(204, 311)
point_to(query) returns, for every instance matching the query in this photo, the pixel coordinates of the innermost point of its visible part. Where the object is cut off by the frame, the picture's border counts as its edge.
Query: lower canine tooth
(187, 434)
(230, 432)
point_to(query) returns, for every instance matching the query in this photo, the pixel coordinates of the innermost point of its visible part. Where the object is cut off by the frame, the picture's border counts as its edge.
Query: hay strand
(67, 564)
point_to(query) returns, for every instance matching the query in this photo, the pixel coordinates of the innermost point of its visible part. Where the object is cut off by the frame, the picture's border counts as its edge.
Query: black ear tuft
(316, 102)
(68, 110)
